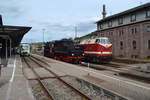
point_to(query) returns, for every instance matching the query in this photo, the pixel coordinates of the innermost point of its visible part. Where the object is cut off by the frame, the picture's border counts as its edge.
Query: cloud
(11, 9)
(58, 23)
(86, 27)
(57, 30)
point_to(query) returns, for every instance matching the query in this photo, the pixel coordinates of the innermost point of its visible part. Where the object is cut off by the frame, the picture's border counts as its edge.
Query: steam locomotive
(64, 50)
(97, 50)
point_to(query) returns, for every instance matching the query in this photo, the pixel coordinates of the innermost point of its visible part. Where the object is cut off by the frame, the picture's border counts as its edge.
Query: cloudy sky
(58, 18)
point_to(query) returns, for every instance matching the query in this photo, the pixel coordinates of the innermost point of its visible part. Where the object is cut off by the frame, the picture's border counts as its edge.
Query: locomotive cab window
(97, 41)
(104, 41)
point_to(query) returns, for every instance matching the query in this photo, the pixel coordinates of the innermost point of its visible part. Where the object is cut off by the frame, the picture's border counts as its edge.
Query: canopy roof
(16, 33)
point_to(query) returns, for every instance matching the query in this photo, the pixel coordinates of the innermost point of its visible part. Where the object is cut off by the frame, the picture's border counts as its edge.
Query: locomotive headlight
(72, 54)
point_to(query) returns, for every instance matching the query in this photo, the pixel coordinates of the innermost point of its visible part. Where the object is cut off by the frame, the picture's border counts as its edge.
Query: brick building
(129, 32)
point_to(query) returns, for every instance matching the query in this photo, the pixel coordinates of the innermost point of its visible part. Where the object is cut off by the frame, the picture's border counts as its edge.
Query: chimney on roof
(1, 21)
(104, 11)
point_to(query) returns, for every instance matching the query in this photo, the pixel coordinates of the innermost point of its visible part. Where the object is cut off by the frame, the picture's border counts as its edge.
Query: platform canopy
(16, 33)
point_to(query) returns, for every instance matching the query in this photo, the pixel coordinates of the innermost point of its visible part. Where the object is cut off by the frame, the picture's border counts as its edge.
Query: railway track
(128, 71)
(128, 61)
(41, 58)
(58, 78)
(44, 89)
(121, 71)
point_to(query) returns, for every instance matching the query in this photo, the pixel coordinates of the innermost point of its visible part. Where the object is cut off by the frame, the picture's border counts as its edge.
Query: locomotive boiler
(64, 50)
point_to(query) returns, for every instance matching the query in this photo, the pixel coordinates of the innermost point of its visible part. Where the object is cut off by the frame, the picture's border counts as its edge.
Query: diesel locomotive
(24, 49)
(64, 50)
(97, 50)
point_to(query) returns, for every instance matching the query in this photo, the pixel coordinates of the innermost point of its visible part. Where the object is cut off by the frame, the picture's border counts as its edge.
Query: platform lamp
(75, 32)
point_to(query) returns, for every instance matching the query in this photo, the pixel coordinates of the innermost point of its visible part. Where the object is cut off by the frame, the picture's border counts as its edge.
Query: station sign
(0, 45)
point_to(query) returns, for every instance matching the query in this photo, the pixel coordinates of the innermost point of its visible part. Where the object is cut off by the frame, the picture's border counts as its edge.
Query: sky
(57, 19)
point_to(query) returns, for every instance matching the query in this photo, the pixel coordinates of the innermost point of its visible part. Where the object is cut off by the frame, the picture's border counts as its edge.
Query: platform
(13, 84)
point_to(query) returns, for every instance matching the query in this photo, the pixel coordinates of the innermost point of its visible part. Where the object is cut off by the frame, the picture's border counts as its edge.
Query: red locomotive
(97, 50)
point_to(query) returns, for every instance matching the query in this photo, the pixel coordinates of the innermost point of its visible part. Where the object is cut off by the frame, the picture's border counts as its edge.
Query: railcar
(64, 50)
(97, 50)
(25, 49)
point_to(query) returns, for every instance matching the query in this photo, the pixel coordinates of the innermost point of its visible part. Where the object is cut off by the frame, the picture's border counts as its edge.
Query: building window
(120, 20)
(110, 33)
(121, 45)
(133, 18)
(121, 32)
(132, 31)
(134, 44)
(110, 24)
(100, 26)
(148, 14)
(148, 28)
(135, 30)
(149, 44)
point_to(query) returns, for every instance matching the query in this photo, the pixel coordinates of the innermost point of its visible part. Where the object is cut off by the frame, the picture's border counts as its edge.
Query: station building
(10, 38)
(129, 32)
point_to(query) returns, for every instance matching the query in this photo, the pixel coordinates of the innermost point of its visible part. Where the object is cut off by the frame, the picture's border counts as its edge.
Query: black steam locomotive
(64, 50)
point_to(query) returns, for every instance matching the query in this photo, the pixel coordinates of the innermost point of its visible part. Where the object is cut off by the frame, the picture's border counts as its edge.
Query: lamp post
(75, 32)
(43, 34)
(43, 40)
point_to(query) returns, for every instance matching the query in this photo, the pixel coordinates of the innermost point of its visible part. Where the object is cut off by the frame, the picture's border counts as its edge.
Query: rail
(39, 80)
(104, 91)
(59, 78)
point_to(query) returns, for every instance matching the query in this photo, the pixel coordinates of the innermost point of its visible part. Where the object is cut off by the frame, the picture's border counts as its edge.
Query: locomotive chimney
(104, 11)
